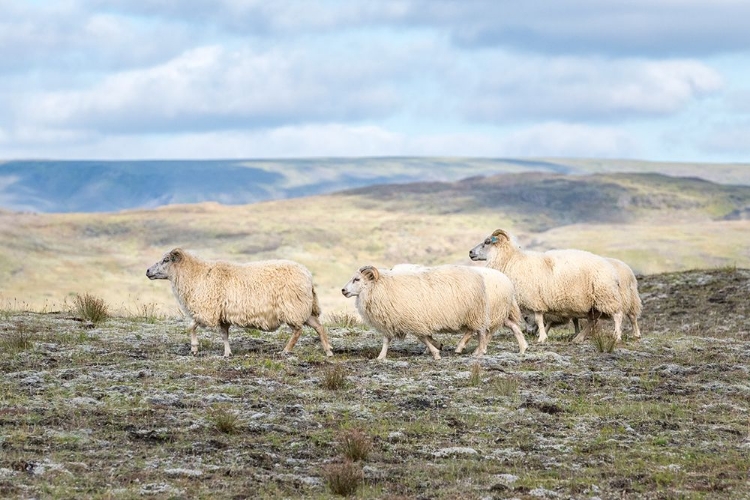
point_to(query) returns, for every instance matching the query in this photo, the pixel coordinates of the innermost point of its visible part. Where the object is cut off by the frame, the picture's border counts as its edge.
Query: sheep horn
(370, 272)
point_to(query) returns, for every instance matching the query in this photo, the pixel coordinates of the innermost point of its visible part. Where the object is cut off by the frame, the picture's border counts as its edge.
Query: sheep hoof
(329, 354)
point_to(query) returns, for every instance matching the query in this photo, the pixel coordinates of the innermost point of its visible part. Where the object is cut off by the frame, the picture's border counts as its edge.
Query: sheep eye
(356, 279)
(166, 259)
(487, 241)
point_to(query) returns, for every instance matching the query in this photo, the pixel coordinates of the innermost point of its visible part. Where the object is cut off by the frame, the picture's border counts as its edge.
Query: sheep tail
(316, 306)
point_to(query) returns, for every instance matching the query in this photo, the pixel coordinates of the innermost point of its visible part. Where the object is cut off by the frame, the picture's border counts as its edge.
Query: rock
(454, 451)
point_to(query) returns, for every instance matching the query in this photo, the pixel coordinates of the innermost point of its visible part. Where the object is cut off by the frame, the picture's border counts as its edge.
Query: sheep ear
(370, 272)
(176, 255)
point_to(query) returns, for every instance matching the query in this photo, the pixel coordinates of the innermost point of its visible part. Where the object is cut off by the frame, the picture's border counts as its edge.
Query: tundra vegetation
(121, 409)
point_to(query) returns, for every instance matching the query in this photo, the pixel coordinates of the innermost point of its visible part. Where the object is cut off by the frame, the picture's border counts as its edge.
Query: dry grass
(343, 478)
(355, 445)
(334, 377)
(90, 308)
(332, 235)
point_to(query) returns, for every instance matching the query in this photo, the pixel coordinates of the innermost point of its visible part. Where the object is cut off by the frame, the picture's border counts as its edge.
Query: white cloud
(338, 140)
(212, 88)
(571, 140)
(518, 88)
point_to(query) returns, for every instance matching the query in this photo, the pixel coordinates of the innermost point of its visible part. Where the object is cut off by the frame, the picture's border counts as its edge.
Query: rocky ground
(122, 410)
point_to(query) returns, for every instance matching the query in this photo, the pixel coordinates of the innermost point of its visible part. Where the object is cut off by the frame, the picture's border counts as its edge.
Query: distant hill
(540, 201)
(653, 222)
(109, 186)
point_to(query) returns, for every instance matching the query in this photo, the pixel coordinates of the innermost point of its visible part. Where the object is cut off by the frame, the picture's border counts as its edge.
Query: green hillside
(655, 223)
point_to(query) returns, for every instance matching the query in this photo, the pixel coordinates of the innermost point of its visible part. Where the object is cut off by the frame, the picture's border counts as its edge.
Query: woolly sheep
(631, 303)
(501, 297)
(262, 295)
(438, 299)
(570, 283)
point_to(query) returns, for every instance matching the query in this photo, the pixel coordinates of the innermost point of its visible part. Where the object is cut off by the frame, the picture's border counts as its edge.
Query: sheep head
(498, 238)
(161, 270)
(365, 275)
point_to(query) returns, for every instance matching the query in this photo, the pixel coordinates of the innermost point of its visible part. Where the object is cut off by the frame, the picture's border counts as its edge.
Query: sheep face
(161, 270)
(483, 250)
(361, 278)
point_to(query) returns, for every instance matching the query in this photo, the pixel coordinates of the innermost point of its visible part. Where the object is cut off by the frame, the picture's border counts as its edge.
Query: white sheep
(631, 304)
(438, 299)
(502, 303)
(262, 295)
(570, 283)
(631, 300)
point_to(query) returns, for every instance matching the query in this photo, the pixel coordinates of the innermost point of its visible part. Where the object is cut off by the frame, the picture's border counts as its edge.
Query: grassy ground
(121, 409)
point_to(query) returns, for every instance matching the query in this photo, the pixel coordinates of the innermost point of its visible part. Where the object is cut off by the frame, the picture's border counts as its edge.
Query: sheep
(570, 283)
(503, 307)
(631, 302)
(262, 295)
(437, 299)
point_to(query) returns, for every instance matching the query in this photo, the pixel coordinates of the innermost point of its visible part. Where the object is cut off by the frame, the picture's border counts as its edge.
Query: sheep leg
(582, 334)
(225, 336)
(539, 317)
(634, 322)
(617, 317)
(314, 322)
(296, 332)
(576, 326)
(462, 343)
(432, 348)
(193, 338)
(438, 345)
(483, 341)
(522, 344)
(384, 350)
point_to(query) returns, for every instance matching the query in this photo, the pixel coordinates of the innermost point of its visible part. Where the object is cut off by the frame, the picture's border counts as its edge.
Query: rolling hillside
(655, 223)
(108, 186)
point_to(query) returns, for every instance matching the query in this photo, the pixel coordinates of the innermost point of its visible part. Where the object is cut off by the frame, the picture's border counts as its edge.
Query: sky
(661, 80)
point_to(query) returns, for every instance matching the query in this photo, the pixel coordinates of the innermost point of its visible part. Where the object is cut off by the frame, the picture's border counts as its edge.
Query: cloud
(626, 28)
(570, 140)
(340, 140)
(62, 41)
(674, 28)
(213, 88)
(574, 88)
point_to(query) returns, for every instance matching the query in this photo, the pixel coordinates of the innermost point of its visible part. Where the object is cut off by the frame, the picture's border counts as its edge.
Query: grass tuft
(16, 340)
(225, 421)
(355, 445)
(334, 378)
(504, 386)
(604, 342)
(343, 478)
(343, 319)
(90, 308)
